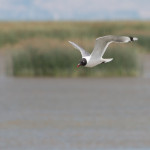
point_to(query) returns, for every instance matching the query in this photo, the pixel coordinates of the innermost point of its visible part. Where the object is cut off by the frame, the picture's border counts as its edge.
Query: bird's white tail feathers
(107, 60)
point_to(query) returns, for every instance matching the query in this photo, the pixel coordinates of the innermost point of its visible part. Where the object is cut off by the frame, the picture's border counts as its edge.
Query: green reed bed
(14, 32)
(62, 63)
(144, 41)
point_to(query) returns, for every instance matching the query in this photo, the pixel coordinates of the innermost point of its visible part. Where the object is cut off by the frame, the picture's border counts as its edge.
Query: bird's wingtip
(135, 39)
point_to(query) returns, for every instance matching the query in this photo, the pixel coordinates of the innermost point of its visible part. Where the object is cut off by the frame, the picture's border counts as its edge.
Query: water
(74, 114)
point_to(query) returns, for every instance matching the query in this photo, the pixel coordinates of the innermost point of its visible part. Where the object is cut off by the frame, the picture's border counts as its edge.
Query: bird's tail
(107, 60)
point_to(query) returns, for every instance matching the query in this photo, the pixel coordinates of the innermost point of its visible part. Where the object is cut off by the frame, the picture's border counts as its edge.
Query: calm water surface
(74, 114)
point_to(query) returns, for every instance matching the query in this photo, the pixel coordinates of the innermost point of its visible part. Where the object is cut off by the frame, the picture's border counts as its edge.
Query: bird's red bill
(78, 65)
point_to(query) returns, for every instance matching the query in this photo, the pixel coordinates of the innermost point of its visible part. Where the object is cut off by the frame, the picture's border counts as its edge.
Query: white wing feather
(84, 53)
(103, 42)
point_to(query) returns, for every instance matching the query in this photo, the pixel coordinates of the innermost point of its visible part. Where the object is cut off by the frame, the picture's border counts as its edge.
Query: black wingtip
(131, 38)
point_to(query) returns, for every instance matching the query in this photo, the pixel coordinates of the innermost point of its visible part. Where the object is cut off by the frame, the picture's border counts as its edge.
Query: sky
(55, 10)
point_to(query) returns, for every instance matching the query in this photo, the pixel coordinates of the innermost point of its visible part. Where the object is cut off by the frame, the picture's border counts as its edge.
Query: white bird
(96, 57)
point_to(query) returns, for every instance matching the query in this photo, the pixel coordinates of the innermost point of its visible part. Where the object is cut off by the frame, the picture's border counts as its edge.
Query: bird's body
(92, 63)
(96, 57)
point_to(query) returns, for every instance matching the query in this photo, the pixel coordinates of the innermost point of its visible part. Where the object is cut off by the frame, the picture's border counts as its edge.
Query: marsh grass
(14, 32)
(145, 41)
(62, 63)
(41, 48)
(33, 62)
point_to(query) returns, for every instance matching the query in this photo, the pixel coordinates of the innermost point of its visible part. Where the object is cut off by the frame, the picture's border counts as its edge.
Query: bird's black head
(82, 62)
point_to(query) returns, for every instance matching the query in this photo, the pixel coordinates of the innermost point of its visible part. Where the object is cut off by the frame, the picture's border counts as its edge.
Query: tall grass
(41, 47)
(14, 32)
(145, 42)
(62, 63)
(33, 62)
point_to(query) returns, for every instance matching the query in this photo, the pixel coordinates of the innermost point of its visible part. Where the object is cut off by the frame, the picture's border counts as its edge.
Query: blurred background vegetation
(42, 48)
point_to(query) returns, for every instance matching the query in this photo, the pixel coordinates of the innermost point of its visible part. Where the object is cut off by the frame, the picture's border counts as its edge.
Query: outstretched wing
(84, 53)
(103, 42)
